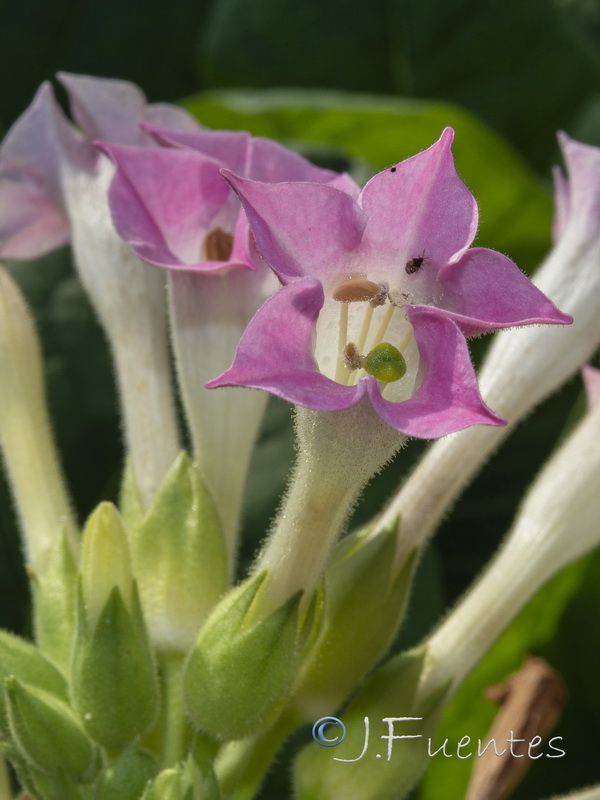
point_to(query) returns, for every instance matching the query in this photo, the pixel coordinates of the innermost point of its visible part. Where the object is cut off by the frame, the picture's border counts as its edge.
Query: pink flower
(53, 190)
(174, 208)
(379, 294)
(42, 151)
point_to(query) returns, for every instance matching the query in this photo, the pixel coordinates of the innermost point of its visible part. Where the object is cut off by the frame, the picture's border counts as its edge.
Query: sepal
(47, 733)
(113, 676)
(127, 778)
(180, 558)
(18, 657)
(54, 603)
(114, 683)
(390, 694)
(365, 602)
(240, 671)
(131, 505)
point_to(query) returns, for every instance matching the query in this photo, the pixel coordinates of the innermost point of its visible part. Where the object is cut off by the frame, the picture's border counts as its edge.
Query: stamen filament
(341, 372)
(387, 318)
(406, 341)
(364, 330)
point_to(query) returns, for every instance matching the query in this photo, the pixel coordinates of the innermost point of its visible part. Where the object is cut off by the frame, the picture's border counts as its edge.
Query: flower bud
(240, 672)
(365, 600)
(105, 561)
(180, 558)
(319, 773)
(114, 685)
(46, 731)
(184, 782)
(25, 434)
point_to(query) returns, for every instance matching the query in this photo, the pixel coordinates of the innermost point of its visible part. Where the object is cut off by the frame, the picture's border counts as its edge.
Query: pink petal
(301, 228)
(273, 163)
(112, 109)
(228, 147)
(275, 352)
(583, 167)
(104, 108)
(31, 159)
(171, 117)
(163, 201)
(485, 290)
(31, 221)
(420, 206)
(591, 380)
(448, 399)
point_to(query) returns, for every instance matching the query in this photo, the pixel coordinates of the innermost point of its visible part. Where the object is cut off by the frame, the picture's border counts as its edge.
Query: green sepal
(26, 662)
(54, 602)
(47, 733)
(39, 784)
(23, 770)
(392, 691)
(185, 781)
(365, 602)
(130, 500)
(240, 672)
(180, 558)
(113, 677)
(128, 776)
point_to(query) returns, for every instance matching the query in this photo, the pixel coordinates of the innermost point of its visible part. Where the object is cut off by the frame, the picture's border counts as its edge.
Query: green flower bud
(389, 761)
(114, 685)
(180, 558)
(365, 601)
(385, 362)
(105, 561)
(54, 603)
(186, 781)
(240, 671)
(128, 776)
(46, 732)
(18, 657)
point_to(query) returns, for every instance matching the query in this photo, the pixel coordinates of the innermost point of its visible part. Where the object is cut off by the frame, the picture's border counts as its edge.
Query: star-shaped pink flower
(392, 267)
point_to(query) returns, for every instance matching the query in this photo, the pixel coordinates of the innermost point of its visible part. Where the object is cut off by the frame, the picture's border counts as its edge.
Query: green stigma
(385, 362)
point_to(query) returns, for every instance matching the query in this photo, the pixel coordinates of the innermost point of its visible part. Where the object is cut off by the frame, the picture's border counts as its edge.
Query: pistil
(355, 290)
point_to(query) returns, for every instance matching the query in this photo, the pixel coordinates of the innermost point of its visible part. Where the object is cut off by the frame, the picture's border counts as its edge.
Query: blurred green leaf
(515, 208)
(525, 68)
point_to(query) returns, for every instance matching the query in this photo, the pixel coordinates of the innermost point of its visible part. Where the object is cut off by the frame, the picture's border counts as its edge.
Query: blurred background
(356, 86)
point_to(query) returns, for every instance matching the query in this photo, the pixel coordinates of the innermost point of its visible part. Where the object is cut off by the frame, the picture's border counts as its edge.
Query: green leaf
(515, 208)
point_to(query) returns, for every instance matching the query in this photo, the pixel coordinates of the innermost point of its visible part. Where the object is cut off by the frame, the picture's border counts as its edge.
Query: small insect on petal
(385, 362)
(415, 264)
